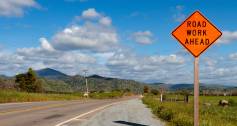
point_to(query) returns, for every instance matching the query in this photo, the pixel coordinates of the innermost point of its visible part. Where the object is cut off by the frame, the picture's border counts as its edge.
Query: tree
(28, 82)
(20, 79)
(38, 85)
(154, 92)
(146, 89)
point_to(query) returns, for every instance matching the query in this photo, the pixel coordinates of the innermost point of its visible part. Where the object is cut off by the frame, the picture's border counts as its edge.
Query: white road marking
(84, 114)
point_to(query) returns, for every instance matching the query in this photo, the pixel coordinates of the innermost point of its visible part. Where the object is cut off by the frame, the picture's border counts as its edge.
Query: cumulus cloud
(143, 37)
(179, 16)
(227, 37)
(90, 13)
(92, 44)
(15, 7)
(173, 68)
(92, 37)
(76, 47)
(44, 48)
(47, 51)
(98, 35)
(45, 45)
(233, 56)
(105, 21)
(128, 65)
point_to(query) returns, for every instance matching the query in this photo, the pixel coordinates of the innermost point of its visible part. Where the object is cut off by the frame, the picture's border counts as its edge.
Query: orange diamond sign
(196, 33)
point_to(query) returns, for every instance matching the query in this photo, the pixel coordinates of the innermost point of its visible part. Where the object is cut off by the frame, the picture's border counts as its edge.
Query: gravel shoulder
(127, 113)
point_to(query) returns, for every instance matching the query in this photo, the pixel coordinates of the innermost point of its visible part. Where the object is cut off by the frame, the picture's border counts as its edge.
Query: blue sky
(119, 38)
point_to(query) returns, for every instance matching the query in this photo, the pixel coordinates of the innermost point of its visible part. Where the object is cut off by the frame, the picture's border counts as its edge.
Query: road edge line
(84, 114)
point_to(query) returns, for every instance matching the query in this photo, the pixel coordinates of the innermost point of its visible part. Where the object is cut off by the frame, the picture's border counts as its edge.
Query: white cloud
(128, 65)
(90, 13)
(105, 21)
(97, 35)
(94, 45)
(209, 62)
(91, 37)
(84, 45)
(227, 37)
(15, 7)
(47, 53)
(173, 68)
(143, 37)
(233, 56)
(178, 15)
(46, 45)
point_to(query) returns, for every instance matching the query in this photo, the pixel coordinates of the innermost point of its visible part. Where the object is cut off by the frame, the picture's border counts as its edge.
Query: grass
(181, 114)
(107, 95)
(7, 96)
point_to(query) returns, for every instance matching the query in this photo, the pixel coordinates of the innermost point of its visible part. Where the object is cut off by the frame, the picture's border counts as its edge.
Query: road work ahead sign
(196, 33)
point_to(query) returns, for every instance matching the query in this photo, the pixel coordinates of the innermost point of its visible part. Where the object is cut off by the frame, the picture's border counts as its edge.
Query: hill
(51, 74)
(95, 82)
(56, 81)
(175, 87)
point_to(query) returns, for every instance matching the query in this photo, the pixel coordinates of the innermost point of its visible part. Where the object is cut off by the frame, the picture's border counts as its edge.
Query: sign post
(196, 91)
(196, 34)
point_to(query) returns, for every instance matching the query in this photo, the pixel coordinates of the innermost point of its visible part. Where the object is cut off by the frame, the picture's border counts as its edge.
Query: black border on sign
(197, 11)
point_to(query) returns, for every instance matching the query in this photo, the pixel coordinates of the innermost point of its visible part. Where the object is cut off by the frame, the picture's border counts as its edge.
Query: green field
(7, 96)
(181, 114)
(107, 95)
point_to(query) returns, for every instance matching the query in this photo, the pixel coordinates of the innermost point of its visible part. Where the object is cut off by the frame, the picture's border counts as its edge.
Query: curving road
(48, 113)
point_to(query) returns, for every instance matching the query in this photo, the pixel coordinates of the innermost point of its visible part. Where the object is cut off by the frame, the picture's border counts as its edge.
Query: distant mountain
(181, 87)
(174, 87)
(51, 74)
(95, 82)
(100, 83)
(4, 76)
(99, 77)
(56, 81)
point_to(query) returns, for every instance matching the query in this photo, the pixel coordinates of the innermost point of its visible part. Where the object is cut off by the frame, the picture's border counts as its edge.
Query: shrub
(146, 89)
(106, 95)
(166, 114)
(154, 92)
(182, 120)
(232, 102)
(181, 114)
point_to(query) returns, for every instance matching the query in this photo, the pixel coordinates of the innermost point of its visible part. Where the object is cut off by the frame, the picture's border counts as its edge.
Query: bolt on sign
(196, 33)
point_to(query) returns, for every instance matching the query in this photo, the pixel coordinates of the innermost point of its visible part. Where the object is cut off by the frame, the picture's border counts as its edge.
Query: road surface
(126, 113)
(48, 113)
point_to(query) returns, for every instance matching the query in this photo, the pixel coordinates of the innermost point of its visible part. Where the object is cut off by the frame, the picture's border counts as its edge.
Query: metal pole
(196, 92)
(87, 89)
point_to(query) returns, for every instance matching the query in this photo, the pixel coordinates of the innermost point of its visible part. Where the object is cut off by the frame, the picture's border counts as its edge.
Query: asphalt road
(54, 113)
(127, 113)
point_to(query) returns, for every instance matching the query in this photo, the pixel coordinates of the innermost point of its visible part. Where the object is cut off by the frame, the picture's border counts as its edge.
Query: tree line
(28, 82)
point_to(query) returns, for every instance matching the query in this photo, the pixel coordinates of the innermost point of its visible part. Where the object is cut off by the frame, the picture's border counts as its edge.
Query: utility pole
(87, 89)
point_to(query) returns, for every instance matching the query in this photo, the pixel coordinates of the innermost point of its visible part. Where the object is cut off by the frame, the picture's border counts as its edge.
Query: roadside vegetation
(179, 113)
(7, 96)
(108, 95)
(28, 87)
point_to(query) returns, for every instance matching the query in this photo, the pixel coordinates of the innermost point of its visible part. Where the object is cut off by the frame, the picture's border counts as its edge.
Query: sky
(129, 39)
